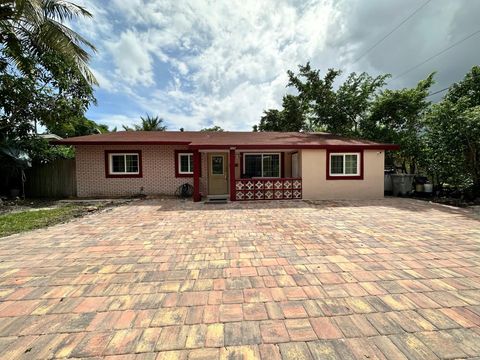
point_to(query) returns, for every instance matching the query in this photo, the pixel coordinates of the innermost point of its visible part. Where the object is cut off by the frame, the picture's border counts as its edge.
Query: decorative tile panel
(258, 184)
(268, 189)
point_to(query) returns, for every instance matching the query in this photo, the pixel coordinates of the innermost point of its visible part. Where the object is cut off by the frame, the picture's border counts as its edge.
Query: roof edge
(262, 146)
(114, 142)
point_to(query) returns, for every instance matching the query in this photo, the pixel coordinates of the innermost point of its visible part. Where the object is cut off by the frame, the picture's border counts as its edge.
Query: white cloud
(132, 58)
(202, 62)
(227, 60)
(103, 81)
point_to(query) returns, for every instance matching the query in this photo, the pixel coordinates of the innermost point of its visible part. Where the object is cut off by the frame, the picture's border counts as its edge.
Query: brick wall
(158, 163)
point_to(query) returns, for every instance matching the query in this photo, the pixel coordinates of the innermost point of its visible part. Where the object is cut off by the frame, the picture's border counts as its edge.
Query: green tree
(396, 116)
(213, 128)
(338, 111)
(452, 136)
(148, 123)
(466, 92)
(54, 95)
(290, 118)
(77, 126)
(272, 120)
(29, 29)
(44, 79)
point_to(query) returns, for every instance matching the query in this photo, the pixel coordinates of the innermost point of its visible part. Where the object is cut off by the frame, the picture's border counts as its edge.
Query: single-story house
(242, 166)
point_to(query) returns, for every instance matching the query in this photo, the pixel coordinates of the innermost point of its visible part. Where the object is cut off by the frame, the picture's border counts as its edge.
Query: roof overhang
(301, 146)
(237, 146)
(103, 142)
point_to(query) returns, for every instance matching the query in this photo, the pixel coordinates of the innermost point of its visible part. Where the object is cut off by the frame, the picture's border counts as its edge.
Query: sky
(202, 63)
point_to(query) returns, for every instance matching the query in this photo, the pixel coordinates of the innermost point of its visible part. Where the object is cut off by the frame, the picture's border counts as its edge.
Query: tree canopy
(148, 123)
(442, 139)
(213, 128)
(338, 111)
(44, 77)
(29, 29)
(290, 118)
(451, 138)
(395, 116)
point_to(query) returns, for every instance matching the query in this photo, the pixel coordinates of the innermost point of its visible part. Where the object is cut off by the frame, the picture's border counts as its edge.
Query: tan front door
(217, 174)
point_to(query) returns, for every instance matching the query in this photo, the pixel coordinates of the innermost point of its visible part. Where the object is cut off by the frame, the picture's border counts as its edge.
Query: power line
(436, 55)
(438, 91)
(392, 31)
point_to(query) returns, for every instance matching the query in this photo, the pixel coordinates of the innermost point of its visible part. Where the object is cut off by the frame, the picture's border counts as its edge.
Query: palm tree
(32, 28)
(149, 123)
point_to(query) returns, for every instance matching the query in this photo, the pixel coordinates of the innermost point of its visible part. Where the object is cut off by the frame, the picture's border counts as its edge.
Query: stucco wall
(287, 171)
(317, 187)
(158, 163)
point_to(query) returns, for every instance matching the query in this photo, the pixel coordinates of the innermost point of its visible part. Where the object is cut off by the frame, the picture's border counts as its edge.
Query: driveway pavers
(166, 279)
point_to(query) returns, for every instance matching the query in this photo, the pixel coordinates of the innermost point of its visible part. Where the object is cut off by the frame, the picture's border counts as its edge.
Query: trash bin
(428, 188)
(402, 184)
(387, 183)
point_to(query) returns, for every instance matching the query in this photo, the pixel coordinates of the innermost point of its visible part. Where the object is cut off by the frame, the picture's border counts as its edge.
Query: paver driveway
(159, 279)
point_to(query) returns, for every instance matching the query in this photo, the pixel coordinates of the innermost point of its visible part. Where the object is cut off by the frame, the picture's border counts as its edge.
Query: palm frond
(35, 27)
(63, 10)
(56, 37)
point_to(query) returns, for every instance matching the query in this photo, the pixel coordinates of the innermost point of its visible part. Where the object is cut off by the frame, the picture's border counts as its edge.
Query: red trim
(196, 176)
(241, 165)
(107, 165)
(66, 142)
(345, 150)
(282, 161)
(231, 163)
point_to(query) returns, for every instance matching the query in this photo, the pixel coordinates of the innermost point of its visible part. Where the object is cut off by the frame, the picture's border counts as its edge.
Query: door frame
(226, 169)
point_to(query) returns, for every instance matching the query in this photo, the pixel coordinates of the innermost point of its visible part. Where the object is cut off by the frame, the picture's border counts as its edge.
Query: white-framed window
(124, 163)
(262, 165)
(344, 164)
(185, 163)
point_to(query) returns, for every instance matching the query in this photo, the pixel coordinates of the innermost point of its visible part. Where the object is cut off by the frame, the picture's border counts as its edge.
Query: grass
(13, 223)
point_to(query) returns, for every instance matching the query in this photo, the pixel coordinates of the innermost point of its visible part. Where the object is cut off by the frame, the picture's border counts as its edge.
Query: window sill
(178, 175)
(344, 177)
(123, 176)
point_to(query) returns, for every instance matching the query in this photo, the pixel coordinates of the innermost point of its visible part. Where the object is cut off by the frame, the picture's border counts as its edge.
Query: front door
(217, 174)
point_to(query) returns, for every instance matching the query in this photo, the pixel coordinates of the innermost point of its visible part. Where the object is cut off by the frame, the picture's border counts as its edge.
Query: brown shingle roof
(198, 139)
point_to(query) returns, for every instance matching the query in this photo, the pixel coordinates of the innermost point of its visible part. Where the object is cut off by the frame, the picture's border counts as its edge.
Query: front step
(217, 199)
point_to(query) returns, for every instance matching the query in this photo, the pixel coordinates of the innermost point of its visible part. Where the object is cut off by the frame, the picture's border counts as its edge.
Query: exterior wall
(317, 187)
(287, 164)
(158, 165)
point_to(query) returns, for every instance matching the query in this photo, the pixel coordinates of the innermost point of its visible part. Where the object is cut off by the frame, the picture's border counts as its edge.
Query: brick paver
(166, 279)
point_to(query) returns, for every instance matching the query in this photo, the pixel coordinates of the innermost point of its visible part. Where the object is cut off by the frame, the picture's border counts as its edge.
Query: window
(217, 165)
(261, 165)
(184, 160)
(185, 163)
(347, 164)
(123, 164)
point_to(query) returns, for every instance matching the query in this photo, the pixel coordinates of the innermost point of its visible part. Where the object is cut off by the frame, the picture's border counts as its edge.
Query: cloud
(104, 82)
(227, 62)
(132, 58)
(115, 120)
(201, 63)
(432, 29)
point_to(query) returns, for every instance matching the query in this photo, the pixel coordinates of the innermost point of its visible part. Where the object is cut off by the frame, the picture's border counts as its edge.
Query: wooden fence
(56, 179)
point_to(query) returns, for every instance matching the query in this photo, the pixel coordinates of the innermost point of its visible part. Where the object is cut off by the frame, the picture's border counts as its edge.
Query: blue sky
(203, 63)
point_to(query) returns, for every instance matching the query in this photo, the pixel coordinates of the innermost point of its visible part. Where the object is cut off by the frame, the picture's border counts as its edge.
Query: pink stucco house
(242, 166)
